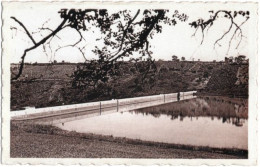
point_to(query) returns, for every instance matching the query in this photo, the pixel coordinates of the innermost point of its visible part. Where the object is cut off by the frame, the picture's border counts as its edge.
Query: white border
(253, 102)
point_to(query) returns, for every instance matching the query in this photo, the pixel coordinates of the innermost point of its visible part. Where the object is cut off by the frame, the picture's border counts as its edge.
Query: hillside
(230, 80)
(50, 85)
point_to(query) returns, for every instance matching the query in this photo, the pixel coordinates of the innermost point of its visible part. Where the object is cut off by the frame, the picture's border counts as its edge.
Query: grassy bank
(44, 141)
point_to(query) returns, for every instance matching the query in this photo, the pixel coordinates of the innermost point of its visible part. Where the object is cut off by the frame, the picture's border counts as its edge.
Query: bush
(206, 74)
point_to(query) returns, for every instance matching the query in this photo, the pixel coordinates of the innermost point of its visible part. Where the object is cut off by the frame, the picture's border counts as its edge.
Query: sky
(174, 40)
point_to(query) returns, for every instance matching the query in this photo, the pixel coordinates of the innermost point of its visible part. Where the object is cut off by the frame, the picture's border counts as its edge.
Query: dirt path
(50, 142)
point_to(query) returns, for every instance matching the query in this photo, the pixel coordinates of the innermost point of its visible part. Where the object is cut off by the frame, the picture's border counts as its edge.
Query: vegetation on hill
(230, 80)
(51, 85)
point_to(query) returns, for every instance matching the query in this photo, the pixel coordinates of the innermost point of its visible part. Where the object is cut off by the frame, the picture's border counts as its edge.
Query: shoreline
(24, 135)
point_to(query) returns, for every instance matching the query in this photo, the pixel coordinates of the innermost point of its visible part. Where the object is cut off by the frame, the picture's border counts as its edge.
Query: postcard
(129, 83)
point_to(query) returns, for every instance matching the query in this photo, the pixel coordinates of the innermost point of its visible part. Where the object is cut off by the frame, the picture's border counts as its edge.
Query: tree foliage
(124, 34)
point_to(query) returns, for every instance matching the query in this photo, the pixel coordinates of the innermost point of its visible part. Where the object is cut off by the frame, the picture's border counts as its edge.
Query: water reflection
(229, 110)
(207, 121)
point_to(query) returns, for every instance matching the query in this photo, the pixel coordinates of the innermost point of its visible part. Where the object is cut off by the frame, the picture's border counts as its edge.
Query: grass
(45, 141)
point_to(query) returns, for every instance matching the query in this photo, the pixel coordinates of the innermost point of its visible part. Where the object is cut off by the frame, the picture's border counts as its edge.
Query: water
(211, 121)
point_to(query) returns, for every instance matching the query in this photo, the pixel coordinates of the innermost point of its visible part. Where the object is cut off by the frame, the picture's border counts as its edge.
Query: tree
(231, 59)
(205, 74)
(122, 34)
(183, 58)
(231, 16)
(175, 58)
(240, 59)
(145, 75)
(163, 70)
(226, 60)
(133, 70)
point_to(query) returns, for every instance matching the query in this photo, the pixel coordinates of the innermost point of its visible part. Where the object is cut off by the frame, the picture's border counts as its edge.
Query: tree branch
(125, 32)
(230, 27)
(237, 28)
(45, 28)
(207, 24)
(25, 29)
(37, 45)
(143, 38)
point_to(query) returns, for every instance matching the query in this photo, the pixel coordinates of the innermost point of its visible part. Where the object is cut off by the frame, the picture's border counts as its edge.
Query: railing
(101, 106)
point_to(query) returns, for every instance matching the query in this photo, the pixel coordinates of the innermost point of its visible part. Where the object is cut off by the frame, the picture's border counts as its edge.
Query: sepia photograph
(128, 81)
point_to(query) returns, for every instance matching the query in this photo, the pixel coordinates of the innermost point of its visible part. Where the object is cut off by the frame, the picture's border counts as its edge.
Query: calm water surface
(209, 121)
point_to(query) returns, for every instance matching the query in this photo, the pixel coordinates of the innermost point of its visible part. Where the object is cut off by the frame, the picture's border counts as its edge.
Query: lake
(219, 122)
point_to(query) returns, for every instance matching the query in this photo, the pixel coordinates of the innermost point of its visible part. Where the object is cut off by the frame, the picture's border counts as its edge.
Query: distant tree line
(241, 59)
